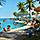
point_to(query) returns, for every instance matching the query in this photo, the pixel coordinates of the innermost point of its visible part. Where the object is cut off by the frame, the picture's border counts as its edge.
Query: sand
(18, 29)
(2, 38)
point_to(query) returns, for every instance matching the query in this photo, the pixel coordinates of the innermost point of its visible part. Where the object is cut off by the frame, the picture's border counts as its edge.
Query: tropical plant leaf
(2, 2)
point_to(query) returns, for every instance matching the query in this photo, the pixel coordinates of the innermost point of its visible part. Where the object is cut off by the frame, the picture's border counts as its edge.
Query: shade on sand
(37, 9)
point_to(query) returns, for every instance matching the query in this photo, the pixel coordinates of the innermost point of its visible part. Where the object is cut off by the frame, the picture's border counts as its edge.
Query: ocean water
(12, 23)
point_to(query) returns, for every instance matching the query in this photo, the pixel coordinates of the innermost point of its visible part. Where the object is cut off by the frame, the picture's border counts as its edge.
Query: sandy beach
(18, 29)
(2, 38)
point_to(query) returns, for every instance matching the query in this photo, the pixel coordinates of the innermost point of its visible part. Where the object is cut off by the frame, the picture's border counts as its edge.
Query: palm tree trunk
(30, 5)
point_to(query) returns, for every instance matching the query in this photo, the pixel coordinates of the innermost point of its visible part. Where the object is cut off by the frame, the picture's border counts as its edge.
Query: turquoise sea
(12, 23)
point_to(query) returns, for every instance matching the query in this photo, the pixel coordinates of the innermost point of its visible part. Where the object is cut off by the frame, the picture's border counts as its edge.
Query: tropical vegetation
(23, 6)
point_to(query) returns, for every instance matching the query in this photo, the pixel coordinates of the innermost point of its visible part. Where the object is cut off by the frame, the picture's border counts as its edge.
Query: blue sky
(9, 7)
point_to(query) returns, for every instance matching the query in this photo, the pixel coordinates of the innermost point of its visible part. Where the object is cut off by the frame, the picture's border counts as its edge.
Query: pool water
(12, 23)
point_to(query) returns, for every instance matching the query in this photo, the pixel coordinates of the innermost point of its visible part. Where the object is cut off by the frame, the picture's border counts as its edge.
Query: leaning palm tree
(30, 5)
(21, 7)
(2, 2)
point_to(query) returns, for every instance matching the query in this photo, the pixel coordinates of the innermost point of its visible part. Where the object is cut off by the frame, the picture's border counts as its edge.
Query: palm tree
(2, 2)
(30, 5)
(21, 7)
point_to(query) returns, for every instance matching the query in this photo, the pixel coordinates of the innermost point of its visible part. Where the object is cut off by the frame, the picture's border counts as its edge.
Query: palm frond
(33, 6)
(2, 2)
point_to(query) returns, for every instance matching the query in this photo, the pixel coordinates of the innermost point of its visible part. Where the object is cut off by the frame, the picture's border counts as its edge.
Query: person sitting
(36, 25)
(8, 28)
(4, 30)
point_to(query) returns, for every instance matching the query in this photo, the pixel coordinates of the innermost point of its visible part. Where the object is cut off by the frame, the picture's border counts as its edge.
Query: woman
(4, 30)
(8, 28)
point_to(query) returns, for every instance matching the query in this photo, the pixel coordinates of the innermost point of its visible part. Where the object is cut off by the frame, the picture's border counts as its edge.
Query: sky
(9, 7)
